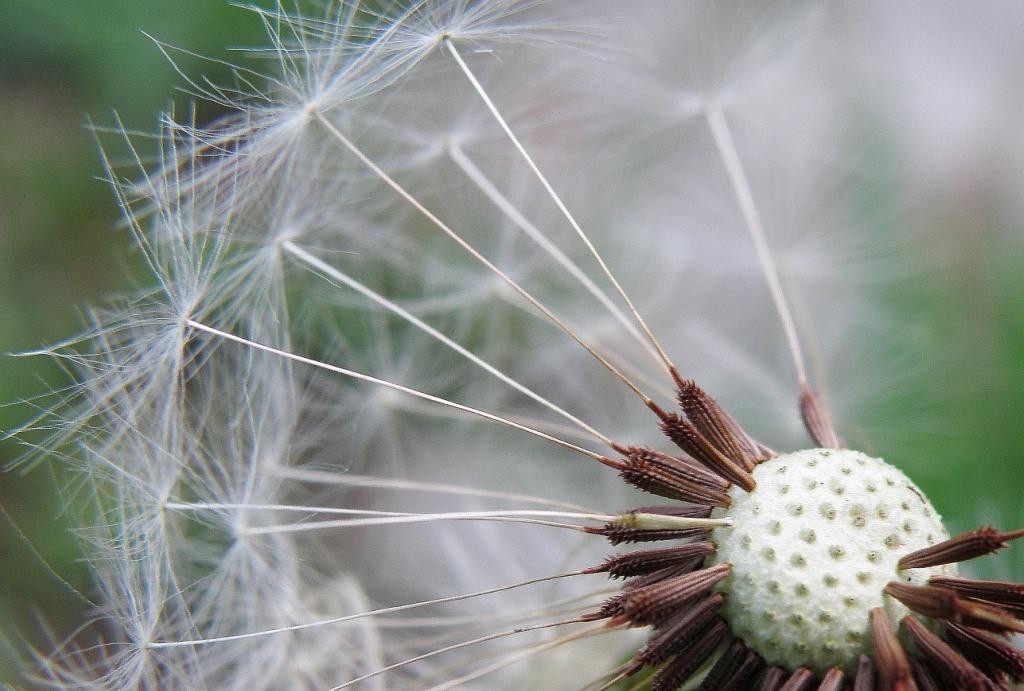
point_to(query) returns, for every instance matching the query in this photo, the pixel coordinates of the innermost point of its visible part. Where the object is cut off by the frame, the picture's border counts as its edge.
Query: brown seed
(988, 652)
(655, 603)
(1008, 596)
(677, 634)
(800, 680)
(725, 668)
(947, 661)
(923, 676)
(816, 419)
(682, 666)
(893, 668)
(770, 679)
(688, 438)
(718, 426)
(865, 679)
(940, 603)
(833, 680)
(649, 561)
(965, 546)
(673, 478)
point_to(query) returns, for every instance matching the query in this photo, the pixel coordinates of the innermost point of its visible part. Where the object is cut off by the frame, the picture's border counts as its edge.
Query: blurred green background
(63, 63)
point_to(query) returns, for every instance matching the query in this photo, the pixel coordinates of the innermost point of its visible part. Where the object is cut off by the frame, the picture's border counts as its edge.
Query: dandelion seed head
(411, 294)
(811, 550)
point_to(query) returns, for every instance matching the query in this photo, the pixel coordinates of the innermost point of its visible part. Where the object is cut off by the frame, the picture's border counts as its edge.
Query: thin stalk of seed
(459, 240)
(478, 87)
(484, 184)
(393, 386)
(333, 274)
(745, 198)
(156, 645)
(465, 644)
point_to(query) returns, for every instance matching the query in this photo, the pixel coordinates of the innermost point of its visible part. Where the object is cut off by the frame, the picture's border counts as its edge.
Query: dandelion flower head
(436, 317)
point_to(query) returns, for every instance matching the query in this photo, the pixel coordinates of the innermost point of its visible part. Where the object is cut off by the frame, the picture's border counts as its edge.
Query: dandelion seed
(289, 441)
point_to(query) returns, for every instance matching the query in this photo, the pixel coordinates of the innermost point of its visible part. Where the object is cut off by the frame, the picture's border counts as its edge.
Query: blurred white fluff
(217, 470)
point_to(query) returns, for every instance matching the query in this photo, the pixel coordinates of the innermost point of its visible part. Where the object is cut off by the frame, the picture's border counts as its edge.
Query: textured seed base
(812, 547)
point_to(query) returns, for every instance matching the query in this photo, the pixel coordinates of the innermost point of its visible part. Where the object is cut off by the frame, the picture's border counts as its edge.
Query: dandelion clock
(505, 345)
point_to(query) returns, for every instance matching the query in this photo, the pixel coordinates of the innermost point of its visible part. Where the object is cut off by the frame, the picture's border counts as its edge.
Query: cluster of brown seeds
(955, 638)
